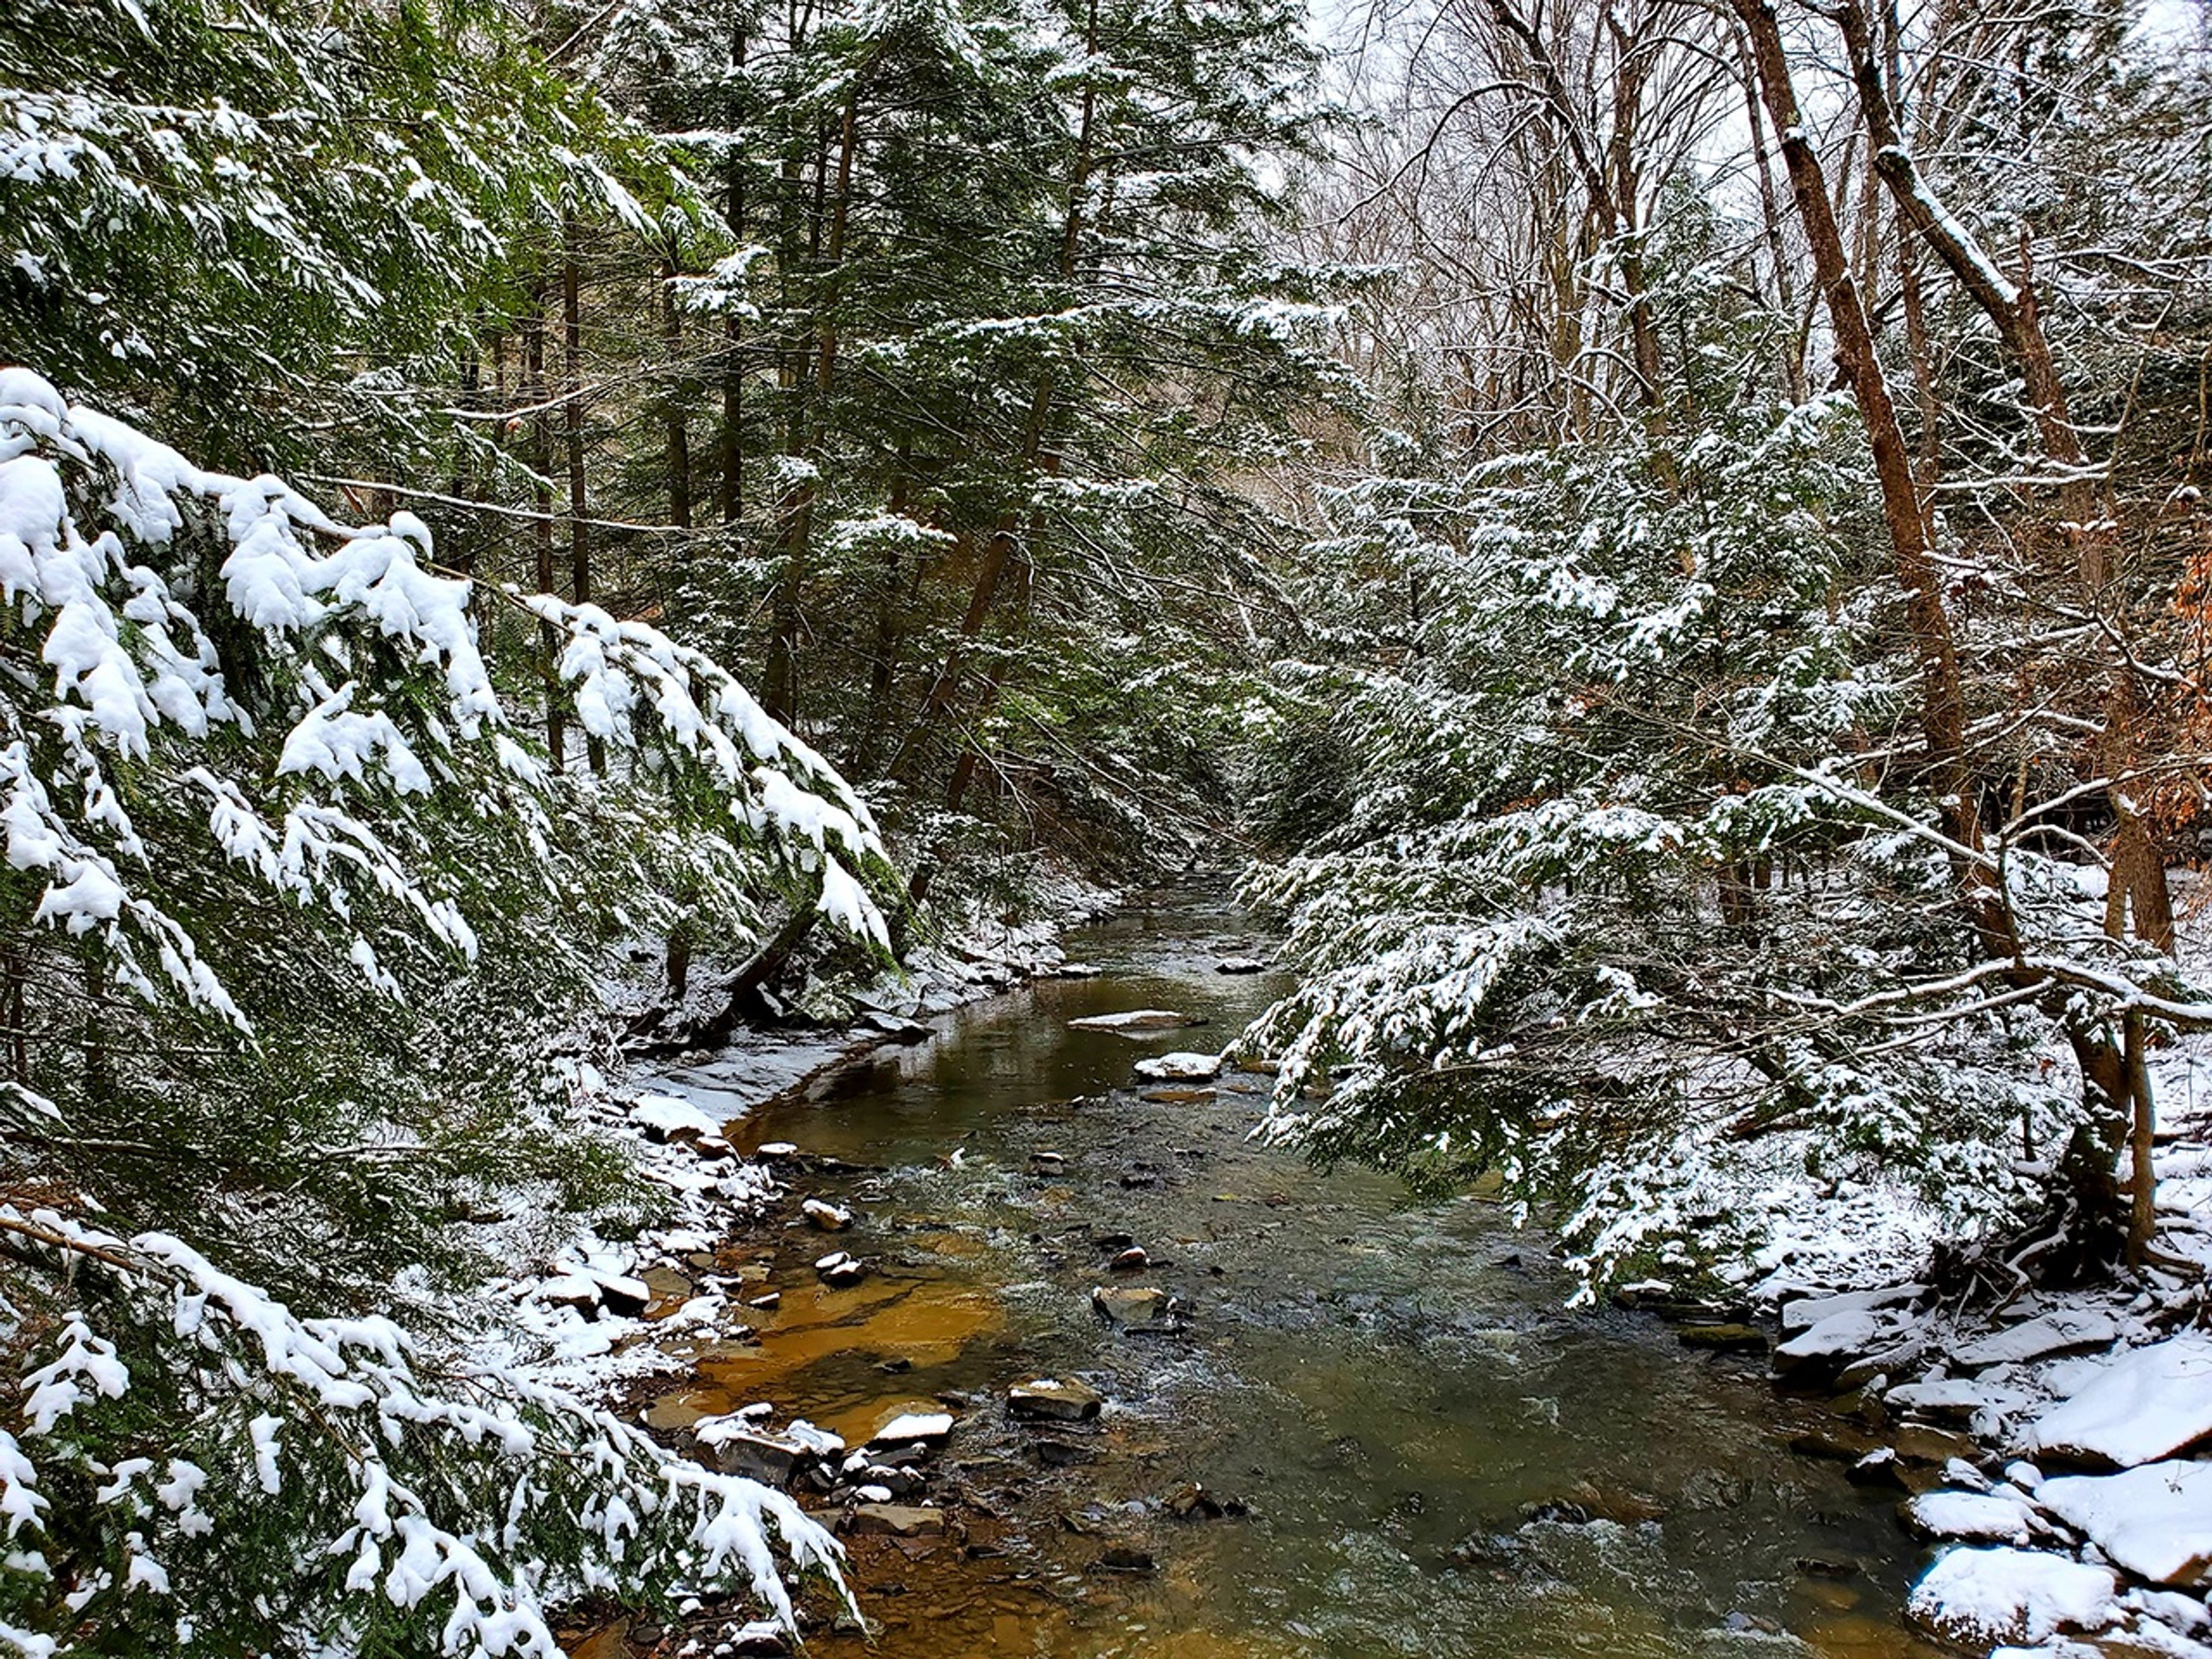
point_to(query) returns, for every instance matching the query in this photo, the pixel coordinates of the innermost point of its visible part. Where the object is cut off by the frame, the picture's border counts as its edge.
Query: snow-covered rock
(1965, 1399)
(664, 1117)
(2155, 1519)
(1980, 1597)
(2064, 1330)
(1804, 1312)
(909, 1427)
(1180, 1066)
(1852, 1331)
(2144, 1404)
(1977, 1517)
(1136, 1020)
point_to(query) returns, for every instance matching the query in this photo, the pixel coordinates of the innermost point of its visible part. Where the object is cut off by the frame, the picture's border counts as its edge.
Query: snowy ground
(2056, 1452)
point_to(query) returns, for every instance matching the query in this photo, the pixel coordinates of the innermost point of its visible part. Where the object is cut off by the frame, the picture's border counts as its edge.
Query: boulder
(1049, 1400)
(2146, 1404)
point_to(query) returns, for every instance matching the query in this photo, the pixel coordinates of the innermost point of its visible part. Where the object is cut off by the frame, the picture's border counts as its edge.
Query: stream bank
(1347, 1422)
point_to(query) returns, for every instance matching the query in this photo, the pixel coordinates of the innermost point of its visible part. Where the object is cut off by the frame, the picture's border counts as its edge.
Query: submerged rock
(1194, 1502)
(1049, 1400)
(1723, 1338)
(898, 1519)
(1132, 1307)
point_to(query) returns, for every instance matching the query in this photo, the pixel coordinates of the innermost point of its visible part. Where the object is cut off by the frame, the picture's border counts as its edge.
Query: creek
(1433, 1455)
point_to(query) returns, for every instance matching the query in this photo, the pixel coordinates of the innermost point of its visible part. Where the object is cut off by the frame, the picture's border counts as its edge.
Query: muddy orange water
(1393, 1388)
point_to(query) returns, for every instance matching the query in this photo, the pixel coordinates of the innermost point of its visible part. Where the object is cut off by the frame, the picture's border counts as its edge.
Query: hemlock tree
(1695, 842)
(276, 842)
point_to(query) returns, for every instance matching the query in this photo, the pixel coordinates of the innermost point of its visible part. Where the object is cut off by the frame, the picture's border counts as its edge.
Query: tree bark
(541, 466)
(572, 421)
(1943, 703)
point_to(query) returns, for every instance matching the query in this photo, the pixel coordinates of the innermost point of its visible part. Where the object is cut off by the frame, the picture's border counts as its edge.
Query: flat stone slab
(2155, 1519)
(1049, 1400)
(2067, 1330)
(898, 1519)
(1134, 1020)
(2147, 1403)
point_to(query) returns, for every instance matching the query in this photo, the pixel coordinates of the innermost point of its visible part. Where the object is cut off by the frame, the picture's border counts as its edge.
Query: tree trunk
(2138, 869)
(675, 417)
(541, 467)
(1942, 710)
(572, 420)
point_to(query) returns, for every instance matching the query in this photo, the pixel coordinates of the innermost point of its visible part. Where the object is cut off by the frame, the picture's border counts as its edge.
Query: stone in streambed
(1049, 1400)
(1131, 1261)
(1132, 1307)
(827, 1218)
(1138, 1020)
(1723, 1338)
(898, 1519)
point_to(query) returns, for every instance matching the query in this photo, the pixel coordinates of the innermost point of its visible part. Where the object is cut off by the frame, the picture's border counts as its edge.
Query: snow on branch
(334, 1483)
(267, 701)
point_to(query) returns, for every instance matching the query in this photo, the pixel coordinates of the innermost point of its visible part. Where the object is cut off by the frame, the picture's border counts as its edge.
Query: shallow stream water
(1391, 1387)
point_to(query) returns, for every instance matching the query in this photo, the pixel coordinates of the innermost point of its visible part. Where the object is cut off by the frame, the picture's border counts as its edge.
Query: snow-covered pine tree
(290, 900)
